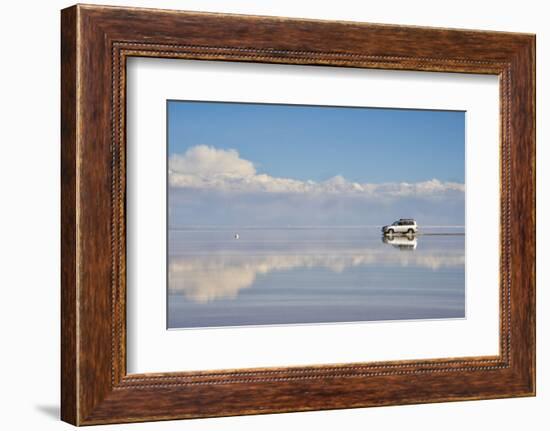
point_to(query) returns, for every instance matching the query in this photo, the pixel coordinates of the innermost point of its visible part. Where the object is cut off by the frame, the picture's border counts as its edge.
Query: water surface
(312, 275)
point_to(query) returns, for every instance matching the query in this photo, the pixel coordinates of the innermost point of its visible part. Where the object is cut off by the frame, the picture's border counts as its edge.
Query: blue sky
(293, 165)
(316, 143)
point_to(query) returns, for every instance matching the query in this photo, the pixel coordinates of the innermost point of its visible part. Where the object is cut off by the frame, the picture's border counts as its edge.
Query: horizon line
(298, 226)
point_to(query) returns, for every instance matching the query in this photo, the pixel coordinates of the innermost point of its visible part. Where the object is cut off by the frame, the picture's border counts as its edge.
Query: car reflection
(402, 242)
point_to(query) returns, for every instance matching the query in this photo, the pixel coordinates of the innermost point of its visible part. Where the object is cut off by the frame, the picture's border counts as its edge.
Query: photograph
(284, 214)
(275, 210)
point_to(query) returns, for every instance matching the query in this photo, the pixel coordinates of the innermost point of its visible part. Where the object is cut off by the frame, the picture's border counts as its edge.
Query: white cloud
(204, 167)
(203, 160)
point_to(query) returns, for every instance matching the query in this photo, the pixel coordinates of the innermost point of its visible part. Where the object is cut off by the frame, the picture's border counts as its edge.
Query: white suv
(403, 225)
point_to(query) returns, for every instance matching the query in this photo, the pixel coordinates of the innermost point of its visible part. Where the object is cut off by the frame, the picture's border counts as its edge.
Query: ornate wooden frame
(95, 42)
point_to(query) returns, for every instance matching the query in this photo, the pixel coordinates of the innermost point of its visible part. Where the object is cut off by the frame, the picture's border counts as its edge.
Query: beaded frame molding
(95, 43)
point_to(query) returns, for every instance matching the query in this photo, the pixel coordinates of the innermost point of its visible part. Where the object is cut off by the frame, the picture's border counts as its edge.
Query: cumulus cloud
(207, 168)
(203, 160)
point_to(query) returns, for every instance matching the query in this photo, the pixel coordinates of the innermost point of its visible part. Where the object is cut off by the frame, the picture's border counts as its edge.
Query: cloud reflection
(205, 278)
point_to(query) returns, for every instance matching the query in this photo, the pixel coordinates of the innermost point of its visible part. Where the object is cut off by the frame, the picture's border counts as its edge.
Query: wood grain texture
(69, 366)
(96, 41)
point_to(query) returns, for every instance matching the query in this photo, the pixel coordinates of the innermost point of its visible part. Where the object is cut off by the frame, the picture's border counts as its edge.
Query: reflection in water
(205, 278)
(305, 277)
(402, 242)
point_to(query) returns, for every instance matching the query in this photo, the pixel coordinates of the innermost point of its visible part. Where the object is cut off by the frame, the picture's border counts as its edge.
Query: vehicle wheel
(410, 231)
(390, 231)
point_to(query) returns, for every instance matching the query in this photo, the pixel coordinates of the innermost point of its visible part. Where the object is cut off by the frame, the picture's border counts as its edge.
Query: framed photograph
(264, 214)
